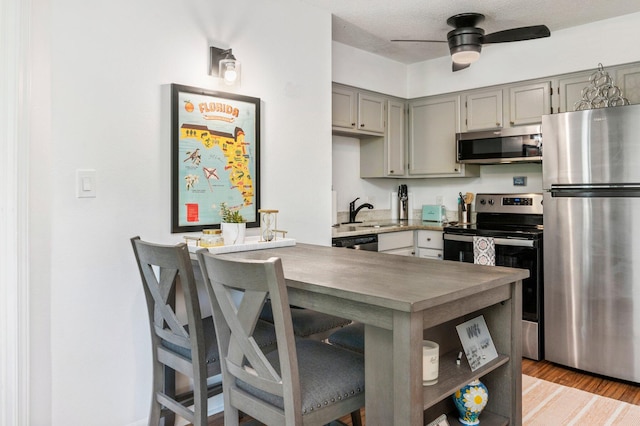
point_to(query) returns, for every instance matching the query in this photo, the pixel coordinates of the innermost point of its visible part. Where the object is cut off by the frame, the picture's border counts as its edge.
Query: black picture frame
(215, 157)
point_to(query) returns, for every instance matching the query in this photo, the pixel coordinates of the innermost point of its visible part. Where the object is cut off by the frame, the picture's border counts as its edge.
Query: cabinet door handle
(353, 124)
(362, 125)
(428, 239)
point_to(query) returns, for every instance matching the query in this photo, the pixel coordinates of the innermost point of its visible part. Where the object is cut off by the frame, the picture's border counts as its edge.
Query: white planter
(233, 233)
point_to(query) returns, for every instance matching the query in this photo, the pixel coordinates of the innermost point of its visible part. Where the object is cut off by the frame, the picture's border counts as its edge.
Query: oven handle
(498, 241)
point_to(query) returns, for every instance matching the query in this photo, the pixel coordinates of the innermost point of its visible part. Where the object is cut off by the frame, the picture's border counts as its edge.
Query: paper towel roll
(334, 207)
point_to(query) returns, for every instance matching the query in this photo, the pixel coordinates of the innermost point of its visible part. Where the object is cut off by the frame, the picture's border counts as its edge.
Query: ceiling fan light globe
(465, 56)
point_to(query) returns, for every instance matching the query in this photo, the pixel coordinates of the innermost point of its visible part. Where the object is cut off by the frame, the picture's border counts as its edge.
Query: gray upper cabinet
(344, 108)
(416, 138)
(626, 77)
(357, 112)
(371, 113)
(514, 105)
(433, 124)
(483, 110)
(628, 80)
(395, 139)
(528, 103)
(386, 156)
(570, 91)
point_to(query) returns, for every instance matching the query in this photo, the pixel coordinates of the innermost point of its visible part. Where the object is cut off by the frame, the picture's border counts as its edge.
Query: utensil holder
(464, 216)
(403, 208)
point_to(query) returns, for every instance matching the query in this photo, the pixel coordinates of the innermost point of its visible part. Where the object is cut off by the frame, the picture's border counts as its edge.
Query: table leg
(378, 368)
(407, 367)
(393, 372)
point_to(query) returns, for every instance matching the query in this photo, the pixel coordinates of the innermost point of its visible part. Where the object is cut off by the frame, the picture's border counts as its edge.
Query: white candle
(430, 355)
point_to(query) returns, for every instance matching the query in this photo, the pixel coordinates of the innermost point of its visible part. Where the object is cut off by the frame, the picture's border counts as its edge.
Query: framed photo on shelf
(477, 342)
(215, 157)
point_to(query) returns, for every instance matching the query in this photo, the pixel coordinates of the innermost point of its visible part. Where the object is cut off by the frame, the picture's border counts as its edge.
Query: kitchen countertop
(380, 227)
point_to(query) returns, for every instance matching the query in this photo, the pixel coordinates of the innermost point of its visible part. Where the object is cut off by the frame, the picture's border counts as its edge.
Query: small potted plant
(233, 225)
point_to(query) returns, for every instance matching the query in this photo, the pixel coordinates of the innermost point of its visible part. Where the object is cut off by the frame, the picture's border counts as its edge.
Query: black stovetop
(501, 225)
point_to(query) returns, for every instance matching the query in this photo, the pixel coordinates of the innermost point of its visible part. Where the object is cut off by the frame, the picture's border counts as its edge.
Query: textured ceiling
(371, 24)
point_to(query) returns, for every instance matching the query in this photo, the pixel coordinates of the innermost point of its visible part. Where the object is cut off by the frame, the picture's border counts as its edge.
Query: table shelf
(487, 418)
(452, 377)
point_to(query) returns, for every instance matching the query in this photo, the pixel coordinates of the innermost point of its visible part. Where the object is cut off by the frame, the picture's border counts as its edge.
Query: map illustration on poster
(215, 157)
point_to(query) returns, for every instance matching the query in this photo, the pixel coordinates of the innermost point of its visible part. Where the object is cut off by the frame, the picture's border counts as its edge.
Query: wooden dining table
(403, 300)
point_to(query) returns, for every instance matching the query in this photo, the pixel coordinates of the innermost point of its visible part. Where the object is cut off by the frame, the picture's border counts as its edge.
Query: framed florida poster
(215, 157)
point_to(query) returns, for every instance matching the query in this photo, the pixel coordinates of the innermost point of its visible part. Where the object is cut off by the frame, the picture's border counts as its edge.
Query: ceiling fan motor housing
(465, 39)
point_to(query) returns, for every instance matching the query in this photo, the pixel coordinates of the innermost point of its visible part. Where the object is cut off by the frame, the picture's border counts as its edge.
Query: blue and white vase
(470, 400)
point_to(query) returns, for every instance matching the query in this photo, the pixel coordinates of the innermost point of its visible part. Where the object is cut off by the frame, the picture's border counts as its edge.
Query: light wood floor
(545, 370)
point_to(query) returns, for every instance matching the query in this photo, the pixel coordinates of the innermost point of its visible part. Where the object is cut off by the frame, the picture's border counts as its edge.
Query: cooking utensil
(468, 198)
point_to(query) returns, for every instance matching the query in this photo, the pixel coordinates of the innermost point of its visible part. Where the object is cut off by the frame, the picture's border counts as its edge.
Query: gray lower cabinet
(400, 243)
(429, 244)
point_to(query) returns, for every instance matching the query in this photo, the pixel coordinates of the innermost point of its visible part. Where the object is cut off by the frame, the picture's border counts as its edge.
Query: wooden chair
(307, 322)
(349, 337)
(189, 349)
(303, 382)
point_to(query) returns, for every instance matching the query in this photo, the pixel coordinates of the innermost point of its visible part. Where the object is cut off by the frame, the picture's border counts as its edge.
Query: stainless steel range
(514, 221)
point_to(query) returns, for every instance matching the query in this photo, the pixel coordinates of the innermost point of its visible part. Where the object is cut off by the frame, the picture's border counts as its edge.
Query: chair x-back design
(191, 349)
(304, 381)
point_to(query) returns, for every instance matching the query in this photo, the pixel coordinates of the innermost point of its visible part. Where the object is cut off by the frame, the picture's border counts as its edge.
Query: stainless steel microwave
(510, 145)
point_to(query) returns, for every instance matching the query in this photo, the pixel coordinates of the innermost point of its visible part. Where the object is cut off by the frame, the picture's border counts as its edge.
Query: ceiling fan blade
(517, 34)
(457, 67)
(425, 41)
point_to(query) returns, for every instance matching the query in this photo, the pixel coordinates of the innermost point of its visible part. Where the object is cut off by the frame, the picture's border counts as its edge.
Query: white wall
(610, 42)
(358, 68)
(103, 103)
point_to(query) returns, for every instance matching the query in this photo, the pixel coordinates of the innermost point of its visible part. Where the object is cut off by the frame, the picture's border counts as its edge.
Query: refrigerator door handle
(609, 191)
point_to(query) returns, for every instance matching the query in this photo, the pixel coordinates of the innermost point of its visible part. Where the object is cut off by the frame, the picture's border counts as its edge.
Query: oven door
(510, 252)
(513, 253)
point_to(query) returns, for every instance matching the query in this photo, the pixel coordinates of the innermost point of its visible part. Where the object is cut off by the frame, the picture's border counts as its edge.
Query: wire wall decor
(600, 93)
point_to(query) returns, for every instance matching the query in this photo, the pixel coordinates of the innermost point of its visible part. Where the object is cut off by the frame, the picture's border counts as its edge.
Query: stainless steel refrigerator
(591, 179)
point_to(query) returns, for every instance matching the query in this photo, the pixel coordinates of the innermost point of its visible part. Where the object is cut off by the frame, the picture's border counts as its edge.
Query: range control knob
(491, 202)
(483, 201)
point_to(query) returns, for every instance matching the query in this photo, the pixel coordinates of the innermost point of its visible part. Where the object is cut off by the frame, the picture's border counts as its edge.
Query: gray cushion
(327, 375)
(349, 337)
(306, 322)
(265, 335)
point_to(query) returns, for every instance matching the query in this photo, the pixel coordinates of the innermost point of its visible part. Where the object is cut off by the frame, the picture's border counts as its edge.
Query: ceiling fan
(466, 40)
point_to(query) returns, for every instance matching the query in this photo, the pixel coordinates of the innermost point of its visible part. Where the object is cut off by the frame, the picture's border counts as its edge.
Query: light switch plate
(85, 183)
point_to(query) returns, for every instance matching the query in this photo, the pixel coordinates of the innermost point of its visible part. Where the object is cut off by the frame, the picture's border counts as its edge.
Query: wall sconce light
(225, 66)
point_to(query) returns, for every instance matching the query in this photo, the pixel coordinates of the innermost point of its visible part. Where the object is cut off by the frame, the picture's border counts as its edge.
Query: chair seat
(327, 375)
(306, 322)
(265, 335)
(349, 337)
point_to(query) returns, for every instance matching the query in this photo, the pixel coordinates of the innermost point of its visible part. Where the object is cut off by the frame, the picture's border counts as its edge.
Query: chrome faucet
(353, 211)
